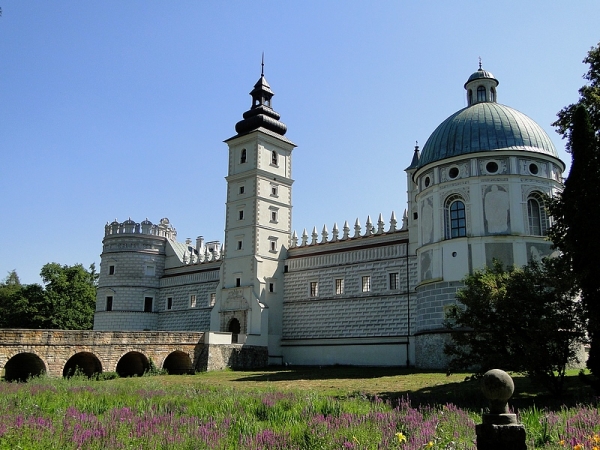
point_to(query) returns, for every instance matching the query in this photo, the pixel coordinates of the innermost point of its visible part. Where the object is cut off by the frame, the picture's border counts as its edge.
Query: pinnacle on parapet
(380, 224)
(294, 239)
(369, 226)
(356, 228)
(304, 238)
(335, 233)
(346, 231)
(314, 236)
(405, 220)
(324, 235)
(393, 222)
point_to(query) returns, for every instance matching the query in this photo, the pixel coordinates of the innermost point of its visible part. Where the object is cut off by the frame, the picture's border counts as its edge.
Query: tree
(576, 211)
(526, 320)
(70, 293)
(67, 300)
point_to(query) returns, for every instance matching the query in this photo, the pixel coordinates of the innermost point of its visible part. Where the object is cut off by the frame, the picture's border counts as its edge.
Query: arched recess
(132, 364)
(22, 366)
(178, 363)
(87, 363)
(234, 328)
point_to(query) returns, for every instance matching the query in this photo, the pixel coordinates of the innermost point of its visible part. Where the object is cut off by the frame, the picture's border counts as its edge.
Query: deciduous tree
(526, 320)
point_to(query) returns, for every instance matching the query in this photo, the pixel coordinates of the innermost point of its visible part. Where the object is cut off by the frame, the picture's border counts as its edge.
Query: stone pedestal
(500, 429)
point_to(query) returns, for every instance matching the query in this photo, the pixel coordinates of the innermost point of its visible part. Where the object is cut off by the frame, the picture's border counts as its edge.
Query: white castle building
(363, 295)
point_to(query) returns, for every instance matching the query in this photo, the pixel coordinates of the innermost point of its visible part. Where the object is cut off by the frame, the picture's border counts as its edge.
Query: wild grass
(304, 408)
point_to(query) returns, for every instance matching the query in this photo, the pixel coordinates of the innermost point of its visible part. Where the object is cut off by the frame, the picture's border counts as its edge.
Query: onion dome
(485, 126)
(261, 115)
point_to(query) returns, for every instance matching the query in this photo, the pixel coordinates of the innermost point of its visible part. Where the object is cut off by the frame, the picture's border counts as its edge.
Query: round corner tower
(479, 187)
(132, 263)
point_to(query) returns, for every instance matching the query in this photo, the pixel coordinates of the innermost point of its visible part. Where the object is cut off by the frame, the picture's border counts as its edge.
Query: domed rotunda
(476, 194)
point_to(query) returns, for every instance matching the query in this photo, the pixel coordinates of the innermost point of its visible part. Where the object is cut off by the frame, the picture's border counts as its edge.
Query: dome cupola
(481, 87)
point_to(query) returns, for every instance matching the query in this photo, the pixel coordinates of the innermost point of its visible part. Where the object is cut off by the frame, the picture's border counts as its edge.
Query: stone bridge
(25, 353)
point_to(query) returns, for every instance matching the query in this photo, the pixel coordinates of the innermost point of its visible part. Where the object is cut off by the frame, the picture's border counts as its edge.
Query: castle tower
(132, 262)
(258, 225)
(479, 185)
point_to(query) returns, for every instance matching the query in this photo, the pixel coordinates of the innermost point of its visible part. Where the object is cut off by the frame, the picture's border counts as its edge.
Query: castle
(362, 295)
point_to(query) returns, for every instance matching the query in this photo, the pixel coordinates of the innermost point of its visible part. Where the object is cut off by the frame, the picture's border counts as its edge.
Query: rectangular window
(273, 216)
(109, 302)
(148, 304)
(273, 190)
(366, 283)
(212, 299)
(169, 303)
(314, 288)
(242, 189)
(394, 278)
(238, 282)
(274, 158)
(239, 245)
(149, 271)
(192, 300)
(271, 287)
(111, 270)
(339, 286)
(241, 214)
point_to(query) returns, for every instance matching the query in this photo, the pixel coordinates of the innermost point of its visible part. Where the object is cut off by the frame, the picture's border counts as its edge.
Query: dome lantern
(481, 87)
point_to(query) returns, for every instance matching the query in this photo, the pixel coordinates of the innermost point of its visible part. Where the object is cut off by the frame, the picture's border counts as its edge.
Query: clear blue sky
(112, 109)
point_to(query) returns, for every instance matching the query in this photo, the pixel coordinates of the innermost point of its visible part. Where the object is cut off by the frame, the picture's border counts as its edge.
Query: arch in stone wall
(178, 363)
(132, 364)
(86, 362)
(24, 365)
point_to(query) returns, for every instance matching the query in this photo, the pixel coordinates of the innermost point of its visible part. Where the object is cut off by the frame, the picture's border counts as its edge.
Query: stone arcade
(372, 295)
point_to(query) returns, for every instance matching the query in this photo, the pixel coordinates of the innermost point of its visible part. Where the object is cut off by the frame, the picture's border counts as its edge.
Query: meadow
(301, 408)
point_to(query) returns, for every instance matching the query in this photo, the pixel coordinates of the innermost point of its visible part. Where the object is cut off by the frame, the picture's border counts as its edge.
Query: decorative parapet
(163, 229)
(203, 253)
(370, 230)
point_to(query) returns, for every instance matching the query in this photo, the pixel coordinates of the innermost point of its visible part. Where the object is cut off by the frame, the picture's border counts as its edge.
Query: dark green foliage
(576, 211)
(526, 320)
(67, 300)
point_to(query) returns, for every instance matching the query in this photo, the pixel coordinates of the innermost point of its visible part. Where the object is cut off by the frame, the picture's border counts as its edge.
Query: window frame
(151, 308)
(108, 304)
(365, 284)
(313, 289)
(193, 301)
(454, 221)
(339, 286)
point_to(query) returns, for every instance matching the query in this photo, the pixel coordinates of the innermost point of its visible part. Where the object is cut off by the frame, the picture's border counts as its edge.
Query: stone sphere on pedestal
(498, 387)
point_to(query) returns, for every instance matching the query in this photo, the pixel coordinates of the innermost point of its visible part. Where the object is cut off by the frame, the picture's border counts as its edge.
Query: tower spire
(262, 65)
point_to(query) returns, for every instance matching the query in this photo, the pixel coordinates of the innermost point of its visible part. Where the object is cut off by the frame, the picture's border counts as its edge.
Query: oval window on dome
(427, 181)
(491, 167)
(453, 172)
(533, 169)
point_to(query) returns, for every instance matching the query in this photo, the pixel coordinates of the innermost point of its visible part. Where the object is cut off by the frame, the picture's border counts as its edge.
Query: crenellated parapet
(347, 233)
(162, 229)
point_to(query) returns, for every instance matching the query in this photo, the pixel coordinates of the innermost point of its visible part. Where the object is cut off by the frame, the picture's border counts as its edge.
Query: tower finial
(480, 63)
(262, 65)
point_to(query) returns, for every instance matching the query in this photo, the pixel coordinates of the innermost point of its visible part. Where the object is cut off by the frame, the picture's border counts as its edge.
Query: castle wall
(356, 324)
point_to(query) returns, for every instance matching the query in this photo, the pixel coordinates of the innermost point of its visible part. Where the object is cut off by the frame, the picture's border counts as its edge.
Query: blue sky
(119, 109)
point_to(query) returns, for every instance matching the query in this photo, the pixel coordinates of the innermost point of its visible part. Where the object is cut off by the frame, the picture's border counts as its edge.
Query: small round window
(491, 167)
(453, 172)
(427, 181)
(533, 168)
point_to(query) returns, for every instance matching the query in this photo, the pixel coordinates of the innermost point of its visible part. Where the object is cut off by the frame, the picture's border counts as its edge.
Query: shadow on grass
(465, 394)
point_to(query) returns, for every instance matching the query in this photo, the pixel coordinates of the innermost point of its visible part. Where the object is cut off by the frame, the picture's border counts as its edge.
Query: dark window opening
(243, 156)
(148, 304)
(111, 270)
(170, 303)
(481, 94)
(109, 303)
(238, 282)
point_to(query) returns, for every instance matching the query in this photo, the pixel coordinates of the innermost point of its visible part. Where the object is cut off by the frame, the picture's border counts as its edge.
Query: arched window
(493, 92)
(470, 97)
(243, 156)
(455, 217)
(537, 216)
(481, 94)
